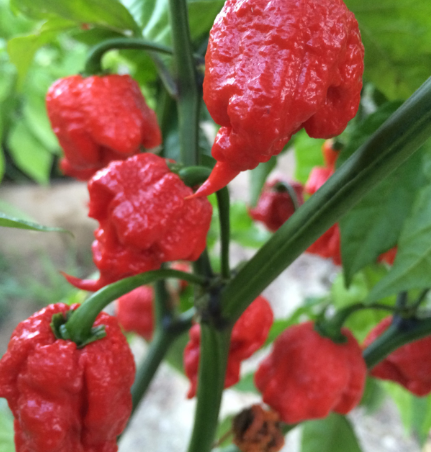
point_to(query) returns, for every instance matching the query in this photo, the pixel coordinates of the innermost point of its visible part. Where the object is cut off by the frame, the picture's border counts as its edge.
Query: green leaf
(202, 14)
(224, 433)
(6, 428)
(22, 49)
(373, 396)
(308, 154)
(258, 178)
(396, 36)
(412, 266)
(28, 153)
(374, 224)
(332, 434)
(106, 13)
(7, 221)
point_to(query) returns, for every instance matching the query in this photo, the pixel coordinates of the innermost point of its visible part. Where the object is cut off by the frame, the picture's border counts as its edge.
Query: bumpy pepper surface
(248, 335)
(144, 219)
(275, 205)
(98, 120)
(272, 68)
(135, 312)
(306, 375)
(409, 365)
(66, 399)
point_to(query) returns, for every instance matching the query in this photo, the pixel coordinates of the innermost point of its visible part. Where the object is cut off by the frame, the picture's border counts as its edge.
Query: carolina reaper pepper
(66, 399)
(306, 375)
(134, 311)
(99, 119)
(248, 335)
(272, 68)
(409, 365)
(275, 205)
(144, 219)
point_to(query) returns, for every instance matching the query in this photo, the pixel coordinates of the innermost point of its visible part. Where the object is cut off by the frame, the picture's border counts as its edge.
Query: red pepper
(272, 68)
(99, 119)
(389, 256)
(306, 375)
(144, 219)
(328, 245)
(330, 154)
(66, 399)
(275, 206)
(409, 365)
(134, 311)
(248, 335)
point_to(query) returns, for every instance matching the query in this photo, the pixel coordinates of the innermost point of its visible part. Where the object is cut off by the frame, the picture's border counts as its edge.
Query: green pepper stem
(394, 337)
(94, 60)
(223, 202)
(185, 74)
(393, 143)
(214, 348)
(81, 321)
(164, 336)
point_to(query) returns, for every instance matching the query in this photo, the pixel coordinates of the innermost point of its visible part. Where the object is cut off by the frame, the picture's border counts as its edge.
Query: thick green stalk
(394, 142)
(78, 327)
(394, 337)
(214, 348)
(188, 93)
(223, 202)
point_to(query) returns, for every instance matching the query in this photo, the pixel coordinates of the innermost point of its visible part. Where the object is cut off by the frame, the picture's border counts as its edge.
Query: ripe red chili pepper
(248, 335)
(272, 68)
(409, 365)
(275, 205)
(99, 119)
(144, 219)
(306, 375)
(328, 245)
(64, 398)
(134, 311)
(389, 256)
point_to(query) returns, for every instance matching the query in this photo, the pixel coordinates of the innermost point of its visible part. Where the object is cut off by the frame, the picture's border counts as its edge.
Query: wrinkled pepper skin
(144, 219)
(99, 119)
(248, 335)
(273, 68)
(135, 312)
(66, 399)
(275, 206)
(306, 375)
(409, 365)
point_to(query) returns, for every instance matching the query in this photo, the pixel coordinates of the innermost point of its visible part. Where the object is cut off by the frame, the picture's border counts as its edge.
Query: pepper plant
(266, 70)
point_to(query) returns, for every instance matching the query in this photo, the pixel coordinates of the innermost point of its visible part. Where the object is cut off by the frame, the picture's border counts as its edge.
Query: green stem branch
(214, 350)
(188, 93)
(223, 202)
(78, 327)
(401, 332)
(394, 142)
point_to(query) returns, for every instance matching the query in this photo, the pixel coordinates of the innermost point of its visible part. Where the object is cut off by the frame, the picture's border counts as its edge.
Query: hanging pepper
(328, 245)
(409, 365)
(134, 311)
(275, 205)
(306, 375)
(248, 335)
(99, 119)
(273, 68)
(66, 399)
(144, 219)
